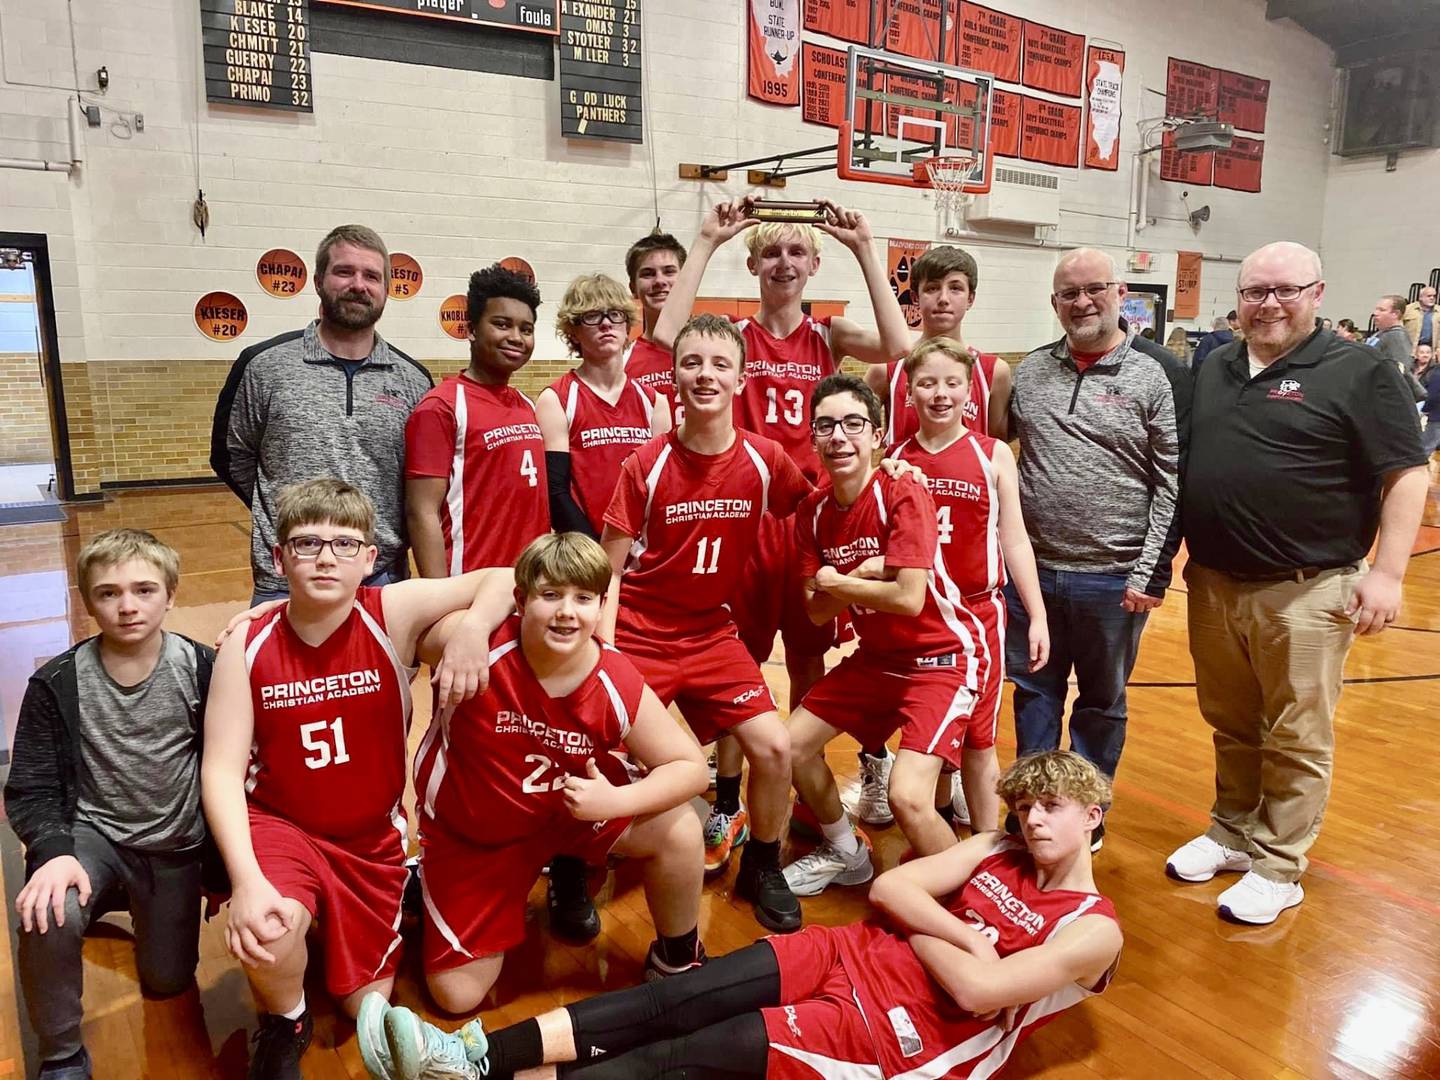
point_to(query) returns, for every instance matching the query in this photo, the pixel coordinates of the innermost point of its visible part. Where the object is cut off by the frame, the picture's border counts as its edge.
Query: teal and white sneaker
(421, 1051)
(370, 1033)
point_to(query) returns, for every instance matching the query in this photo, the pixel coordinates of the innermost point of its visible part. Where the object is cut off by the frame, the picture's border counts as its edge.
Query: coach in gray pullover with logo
(1101, 416)
(329, 400)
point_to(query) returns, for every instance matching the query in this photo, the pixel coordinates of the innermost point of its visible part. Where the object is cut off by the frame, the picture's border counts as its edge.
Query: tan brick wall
(24, 419)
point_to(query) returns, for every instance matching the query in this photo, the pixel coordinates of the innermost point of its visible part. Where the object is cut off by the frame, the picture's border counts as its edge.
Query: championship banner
(1187, 284)
(848, 20)
(1191, 89)
(1049, 132)
(902, 256)
(1239, 167)
(1005, 123)
(1185, 168)
(1104, 78)
(1243, 100)
(823, 78)
(989, 40)
(775, 51)
(1054, 59)
(915, 28)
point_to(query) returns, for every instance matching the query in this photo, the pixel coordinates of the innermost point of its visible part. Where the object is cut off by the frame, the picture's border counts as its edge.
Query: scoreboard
(537, 16)
(257, 52)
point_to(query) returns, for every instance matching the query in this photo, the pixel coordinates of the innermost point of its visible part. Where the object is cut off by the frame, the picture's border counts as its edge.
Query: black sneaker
(276, 1048)
(656, 969)
(776, 907)
(1097, 837)
(74, 1067)
(572, 912)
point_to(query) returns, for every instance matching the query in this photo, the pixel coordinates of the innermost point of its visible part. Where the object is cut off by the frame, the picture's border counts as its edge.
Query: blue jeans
(1093, 635)
(381, 577)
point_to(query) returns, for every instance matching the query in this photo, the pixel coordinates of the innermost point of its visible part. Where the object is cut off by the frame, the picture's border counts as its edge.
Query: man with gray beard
(1102, 416)
(330, 400)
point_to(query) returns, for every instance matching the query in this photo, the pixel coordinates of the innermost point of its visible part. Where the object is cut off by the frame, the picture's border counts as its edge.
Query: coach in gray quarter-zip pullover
(1102, 417)
(329, 400)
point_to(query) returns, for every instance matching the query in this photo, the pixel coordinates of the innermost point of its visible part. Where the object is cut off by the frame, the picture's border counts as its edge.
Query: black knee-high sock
(514, 1048)
(733, 1049)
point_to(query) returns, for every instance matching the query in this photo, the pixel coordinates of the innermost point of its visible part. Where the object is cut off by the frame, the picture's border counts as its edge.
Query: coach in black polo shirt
(1302, 447)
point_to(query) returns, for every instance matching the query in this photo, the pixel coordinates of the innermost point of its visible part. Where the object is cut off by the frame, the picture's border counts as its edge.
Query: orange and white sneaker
(723, 834)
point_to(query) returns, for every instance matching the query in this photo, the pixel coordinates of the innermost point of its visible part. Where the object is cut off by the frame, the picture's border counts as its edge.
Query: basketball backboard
(901, 111)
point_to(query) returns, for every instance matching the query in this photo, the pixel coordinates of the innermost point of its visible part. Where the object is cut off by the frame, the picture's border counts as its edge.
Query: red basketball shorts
(770, 597)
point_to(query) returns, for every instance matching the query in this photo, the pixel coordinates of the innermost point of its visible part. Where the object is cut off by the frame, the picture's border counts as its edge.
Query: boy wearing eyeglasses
(870, 543)
(594, 416)
(305, 751)
(475, 484)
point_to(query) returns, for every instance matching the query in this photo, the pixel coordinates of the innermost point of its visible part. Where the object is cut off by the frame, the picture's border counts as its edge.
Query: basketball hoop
(947, 174)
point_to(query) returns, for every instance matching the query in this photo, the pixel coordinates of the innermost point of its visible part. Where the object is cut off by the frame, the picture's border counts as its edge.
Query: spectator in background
(1389, 339)
(1424, 368)
(1222, 333)
(1430, 437)
(1347, 330)
(1420, 318)
(1327, 324)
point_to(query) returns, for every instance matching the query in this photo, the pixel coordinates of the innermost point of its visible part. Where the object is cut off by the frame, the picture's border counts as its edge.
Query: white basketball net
(948, 175)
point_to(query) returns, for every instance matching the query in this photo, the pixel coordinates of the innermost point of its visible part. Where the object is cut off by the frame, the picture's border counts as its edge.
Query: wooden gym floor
(1347, 985)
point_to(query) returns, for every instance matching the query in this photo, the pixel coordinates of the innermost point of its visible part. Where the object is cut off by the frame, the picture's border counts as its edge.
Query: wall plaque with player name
(534, 15)
(257, 52)
(600, 70)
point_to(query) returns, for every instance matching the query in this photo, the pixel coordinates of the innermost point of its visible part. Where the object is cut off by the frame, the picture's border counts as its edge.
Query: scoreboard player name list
(257, 52)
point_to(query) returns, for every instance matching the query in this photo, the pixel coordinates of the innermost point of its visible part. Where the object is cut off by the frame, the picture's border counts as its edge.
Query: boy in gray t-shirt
(104, 792)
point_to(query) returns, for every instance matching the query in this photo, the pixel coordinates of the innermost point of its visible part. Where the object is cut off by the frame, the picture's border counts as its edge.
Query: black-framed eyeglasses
(1256, 294)
(822, 427)
(612, 316)
(309, 547)
(1094, 291)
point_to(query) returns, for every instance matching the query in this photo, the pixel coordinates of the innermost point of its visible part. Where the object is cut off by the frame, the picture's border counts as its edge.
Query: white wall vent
(1019, 197)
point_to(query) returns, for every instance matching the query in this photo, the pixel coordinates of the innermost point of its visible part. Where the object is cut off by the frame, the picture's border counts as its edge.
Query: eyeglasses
(1256, 294)
(1094, 291)
(309, 547)
(823, 427)
(595, 318)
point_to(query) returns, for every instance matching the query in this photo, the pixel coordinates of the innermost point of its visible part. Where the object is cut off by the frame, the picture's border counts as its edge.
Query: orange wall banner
(1239, 167)
(1185, 168)
(1104, 79)
(823, 77)
(1005, 123)
(915, 28)
(903, 254)
(1191, 89)
(775, 51)
(990, 41)
(1243, 100)
(1050, 132)
(1054, 59)
(848, 20)
(1187, 284)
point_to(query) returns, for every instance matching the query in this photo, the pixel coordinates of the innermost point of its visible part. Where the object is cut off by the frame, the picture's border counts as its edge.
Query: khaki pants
(1269, 658)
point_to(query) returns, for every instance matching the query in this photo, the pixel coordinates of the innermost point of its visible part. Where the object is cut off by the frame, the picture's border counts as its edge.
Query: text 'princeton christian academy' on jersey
(330, 724)
(601, 438)
(491, 770)
(485, 442)
(780, 375)
(900, 419)
(694, 519)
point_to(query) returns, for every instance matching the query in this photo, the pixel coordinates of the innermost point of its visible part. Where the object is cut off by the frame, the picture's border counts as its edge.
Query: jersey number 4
(527, 468)
(313, 738)
(947, 529)
(793, 412)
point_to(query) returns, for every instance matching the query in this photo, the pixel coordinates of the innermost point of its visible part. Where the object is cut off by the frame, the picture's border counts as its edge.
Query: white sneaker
(1202, 858)
(957, 800)
(1258, 900)
(874, 804)
(824, 866)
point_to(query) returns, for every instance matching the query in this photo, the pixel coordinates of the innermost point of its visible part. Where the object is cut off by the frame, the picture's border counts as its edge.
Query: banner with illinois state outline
(1104, 80)
(775, 51)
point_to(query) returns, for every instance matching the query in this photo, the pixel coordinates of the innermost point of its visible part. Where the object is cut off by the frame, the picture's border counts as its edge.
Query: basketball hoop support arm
(774, 176)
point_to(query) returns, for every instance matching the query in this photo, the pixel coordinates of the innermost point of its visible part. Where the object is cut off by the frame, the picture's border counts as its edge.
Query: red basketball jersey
(695, 518)
(780, 375)
(901, 422)
(485, 441)
(895, 519)
(490, 770)
(601, 438)
(967, 501)
(652, 367)
(918, 1029)
(330, 724)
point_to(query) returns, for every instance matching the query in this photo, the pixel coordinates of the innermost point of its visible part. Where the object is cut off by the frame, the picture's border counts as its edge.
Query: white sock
(841, 835)
(298, 1011)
